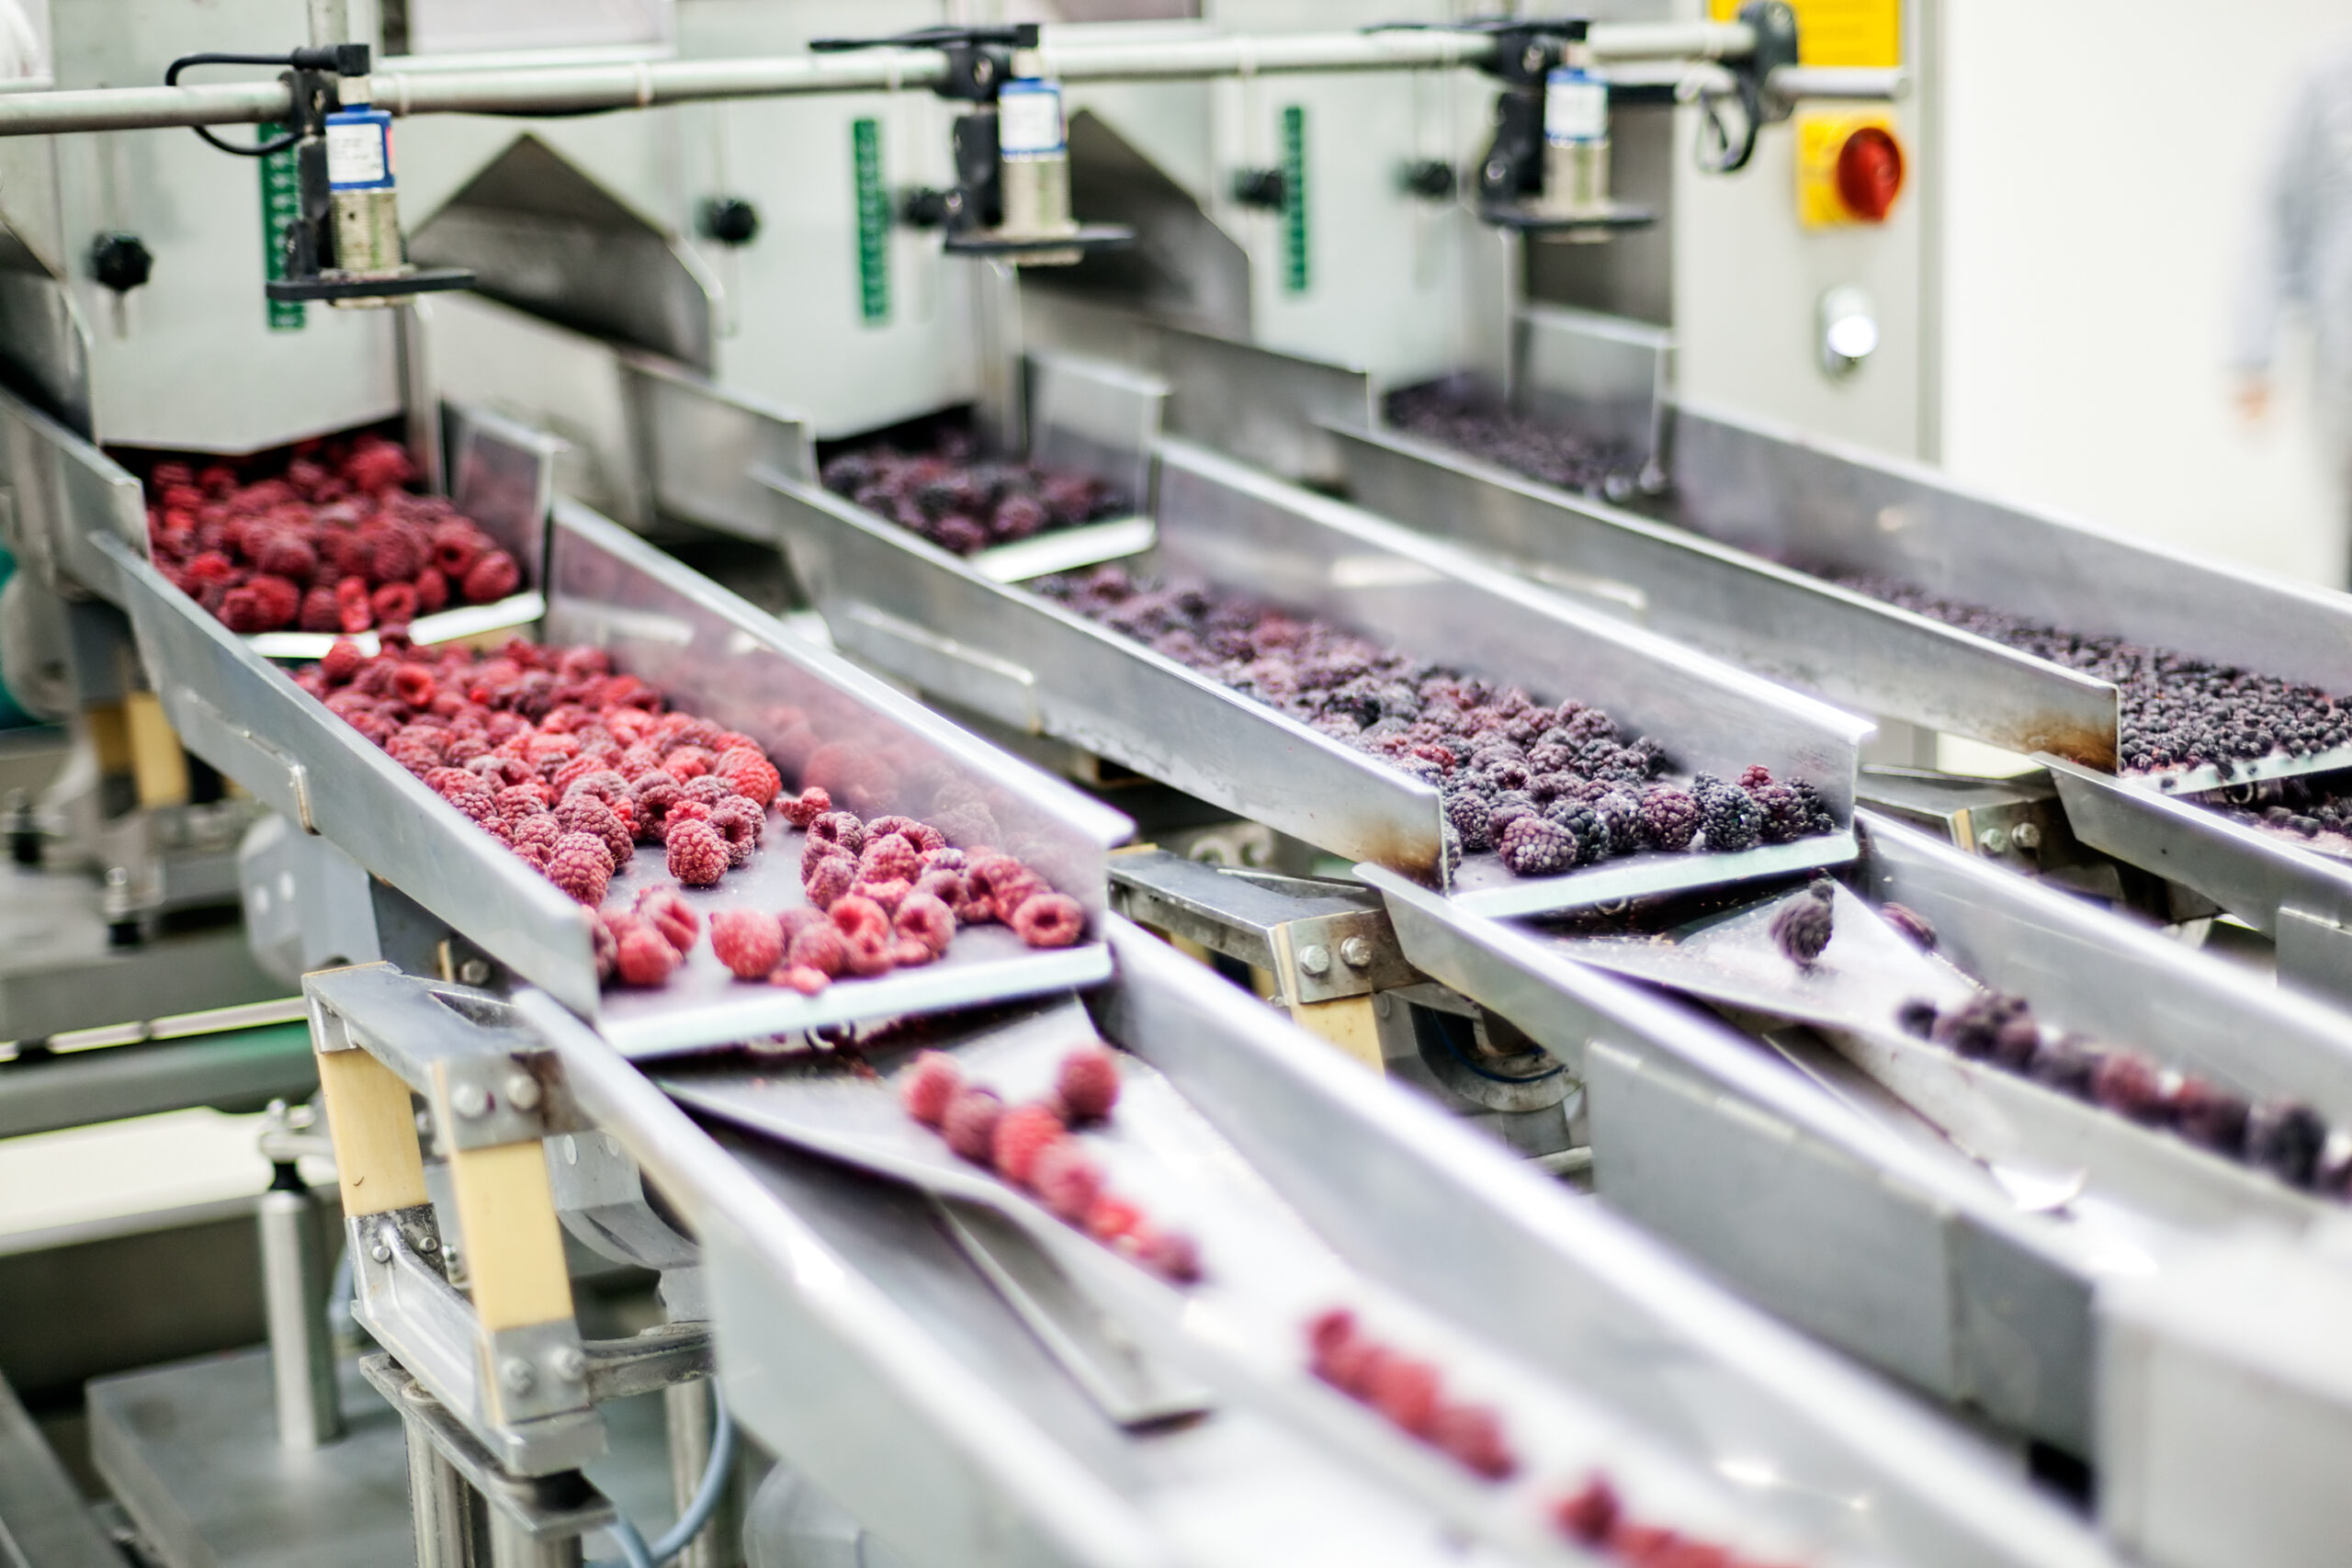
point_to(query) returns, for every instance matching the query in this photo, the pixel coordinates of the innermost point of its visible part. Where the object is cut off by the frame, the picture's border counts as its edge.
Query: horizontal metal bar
(1853, 84)
(576, 89)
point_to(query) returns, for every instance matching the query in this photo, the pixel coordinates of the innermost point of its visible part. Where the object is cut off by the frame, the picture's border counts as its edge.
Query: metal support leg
(294, 1289)
(513, 1546)
(440, 1502)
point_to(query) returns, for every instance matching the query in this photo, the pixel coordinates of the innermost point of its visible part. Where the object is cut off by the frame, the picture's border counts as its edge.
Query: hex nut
(2026, 835)
(516, 1376)
(1993, 840)
(1356, 952)
(474, 971)
(1314, 959)
(568, 1363)
(522, 1091)
(470, 1101)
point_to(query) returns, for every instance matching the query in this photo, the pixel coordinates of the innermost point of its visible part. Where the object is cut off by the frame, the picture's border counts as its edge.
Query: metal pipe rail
(583, 89)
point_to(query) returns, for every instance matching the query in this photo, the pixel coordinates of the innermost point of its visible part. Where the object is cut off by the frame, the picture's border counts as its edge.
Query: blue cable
(634, 1552)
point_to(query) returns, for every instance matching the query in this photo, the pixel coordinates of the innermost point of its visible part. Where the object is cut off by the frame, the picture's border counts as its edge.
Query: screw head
(522, 1091)
(1356, 952)
(120, 262)
(380, 1253)
(2026, 835)
(1993, 840)
(470, 1101)
(516, 1376)
(474, 970)
(570, 1363)
(1314, 959)
(428, 1244)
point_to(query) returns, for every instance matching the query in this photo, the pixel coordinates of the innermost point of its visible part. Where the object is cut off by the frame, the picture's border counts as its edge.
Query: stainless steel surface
(1405, 1193)
(1782, 623)
(541, 1507)
(188, 1449)
(60, 488)
(926, 616)
(1097, 418)
(1339, 932)
(442, 1511)
(502, 474)
(1602, 375)
(686, 1412)
(44, 1520)
(643, 84)
(1261, 405)
(294, 1272)
(703, 444)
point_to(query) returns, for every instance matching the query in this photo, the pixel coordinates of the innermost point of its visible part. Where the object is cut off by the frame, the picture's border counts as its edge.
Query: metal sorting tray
(1943, 1219)
(1743, 486)
(1440, 1219)
(2300, 897)
(711, 653)
(920, 612)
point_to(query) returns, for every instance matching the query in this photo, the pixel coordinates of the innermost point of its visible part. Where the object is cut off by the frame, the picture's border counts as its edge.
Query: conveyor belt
(922, 613)
(712, 654)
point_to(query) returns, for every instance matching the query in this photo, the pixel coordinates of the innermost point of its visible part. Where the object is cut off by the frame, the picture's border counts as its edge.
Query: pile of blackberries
(331, 542)
(1547, 789)
(2285, 1138)
(2177, 712)
(964, 502)
(1456, 414)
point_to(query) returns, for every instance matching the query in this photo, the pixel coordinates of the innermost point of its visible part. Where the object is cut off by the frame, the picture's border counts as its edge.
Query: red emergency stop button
(1869, 173)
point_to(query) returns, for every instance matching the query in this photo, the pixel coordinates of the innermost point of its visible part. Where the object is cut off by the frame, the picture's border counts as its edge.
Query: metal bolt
(1314, 959)
(474, 970)
(1356, 952)
(2027, 835)
(470, 1101)
(428, 1244)
(1993, 840)
(568, 1363)
(516, 1376)
(382, 1251)
(1534, 59)
(118, 876)
(522, 1091)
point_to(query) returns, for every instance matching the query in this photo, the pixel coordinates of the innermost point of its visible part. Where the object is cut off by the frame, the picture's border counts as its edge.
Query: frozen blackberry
(1466, 811)
(1727, 815)
(1620, 812)
(2211, 1117)
(1819, 818)
(1804, 925)
(1537, 846)
(1913, 926)
(2285, 1138)
(1786, 817)
(1509, 806)
(1584, 824)
(1670, 819)
(2068, 1064)
(1916, 1016)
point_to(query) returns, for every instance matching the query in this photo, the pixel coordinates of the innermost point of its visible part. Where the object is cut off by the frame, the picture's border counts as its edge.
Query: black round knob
(1261, 188)
(1431, 179)
(730, 220)
(120, 262)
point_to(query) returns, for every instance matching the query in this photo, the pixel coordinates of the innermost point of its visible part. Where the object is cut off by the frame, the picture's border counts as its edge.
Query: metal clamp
(1322, 940)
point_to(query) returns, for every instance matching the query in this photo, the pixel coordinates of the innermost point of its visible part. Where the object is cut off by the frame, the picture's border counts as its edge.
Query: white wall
(2101, 164)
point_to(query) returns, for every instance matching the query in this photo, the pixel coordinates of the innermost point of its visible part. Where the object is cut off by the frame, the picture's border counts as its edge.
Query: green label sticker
(873, 221)
(1295, 273)
(281, 205)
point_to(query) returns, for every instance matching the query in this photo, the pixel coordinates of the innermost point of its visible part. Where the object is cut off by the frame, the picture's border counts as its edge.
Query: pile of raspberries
(1033, 1147)
(334, 543)
(1547, 789)
(964, 503)
(1459, 414)
(1409, 1393)
(2285, 1138)
(572, 766)
(1595, 1518)
(2179, 711)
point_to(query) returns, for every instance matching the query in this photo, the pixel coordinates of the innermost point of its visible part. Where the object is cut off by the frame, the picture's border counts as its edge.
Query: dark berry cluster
(1459, 414)
(2177, 712)
(1804, 925)
(2312, 810)
(964, 502)
(333, 543)
(1547, 789)
(2285, 1138)
(572, 766)
(1036, 1148)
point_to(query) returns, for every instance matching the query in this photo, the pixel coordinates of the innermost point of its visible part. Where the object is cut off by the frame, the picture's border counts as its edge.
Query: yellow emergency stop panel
(1849, 164)
(1838, 32)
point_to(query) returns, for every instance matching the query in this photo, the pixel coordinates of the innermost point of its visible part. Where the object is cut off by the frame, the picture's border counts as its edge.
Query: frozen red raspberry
(828, 879)
(753, 776)
(926, 1086)
(801, 979)
(806, 808)
(822, 949)
(697, 854)
(1407, 1392)
(740, 823)
(1025, 1132)
(748, 941)
(644, 959)
(924, 919)
(888, 896)
(888, 858)
(288, 554)
(341, 660)
(1174, 1256)
(432, 592)
(854, 917)
(491, 578)
(1087, 1086)
(667, 910)
(1589, 1516)
(970, 1122)
(321, 612)
(393, 558)
(1111, 1220)
(1049, 920)
(686, 763)
(586, 814)
(582, 867)
(866, 955)
(394, 604)
(838, 827)
(1066, 1178)
(414, 685)
(352, 606)
(1472, 1435)
(605, 945)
